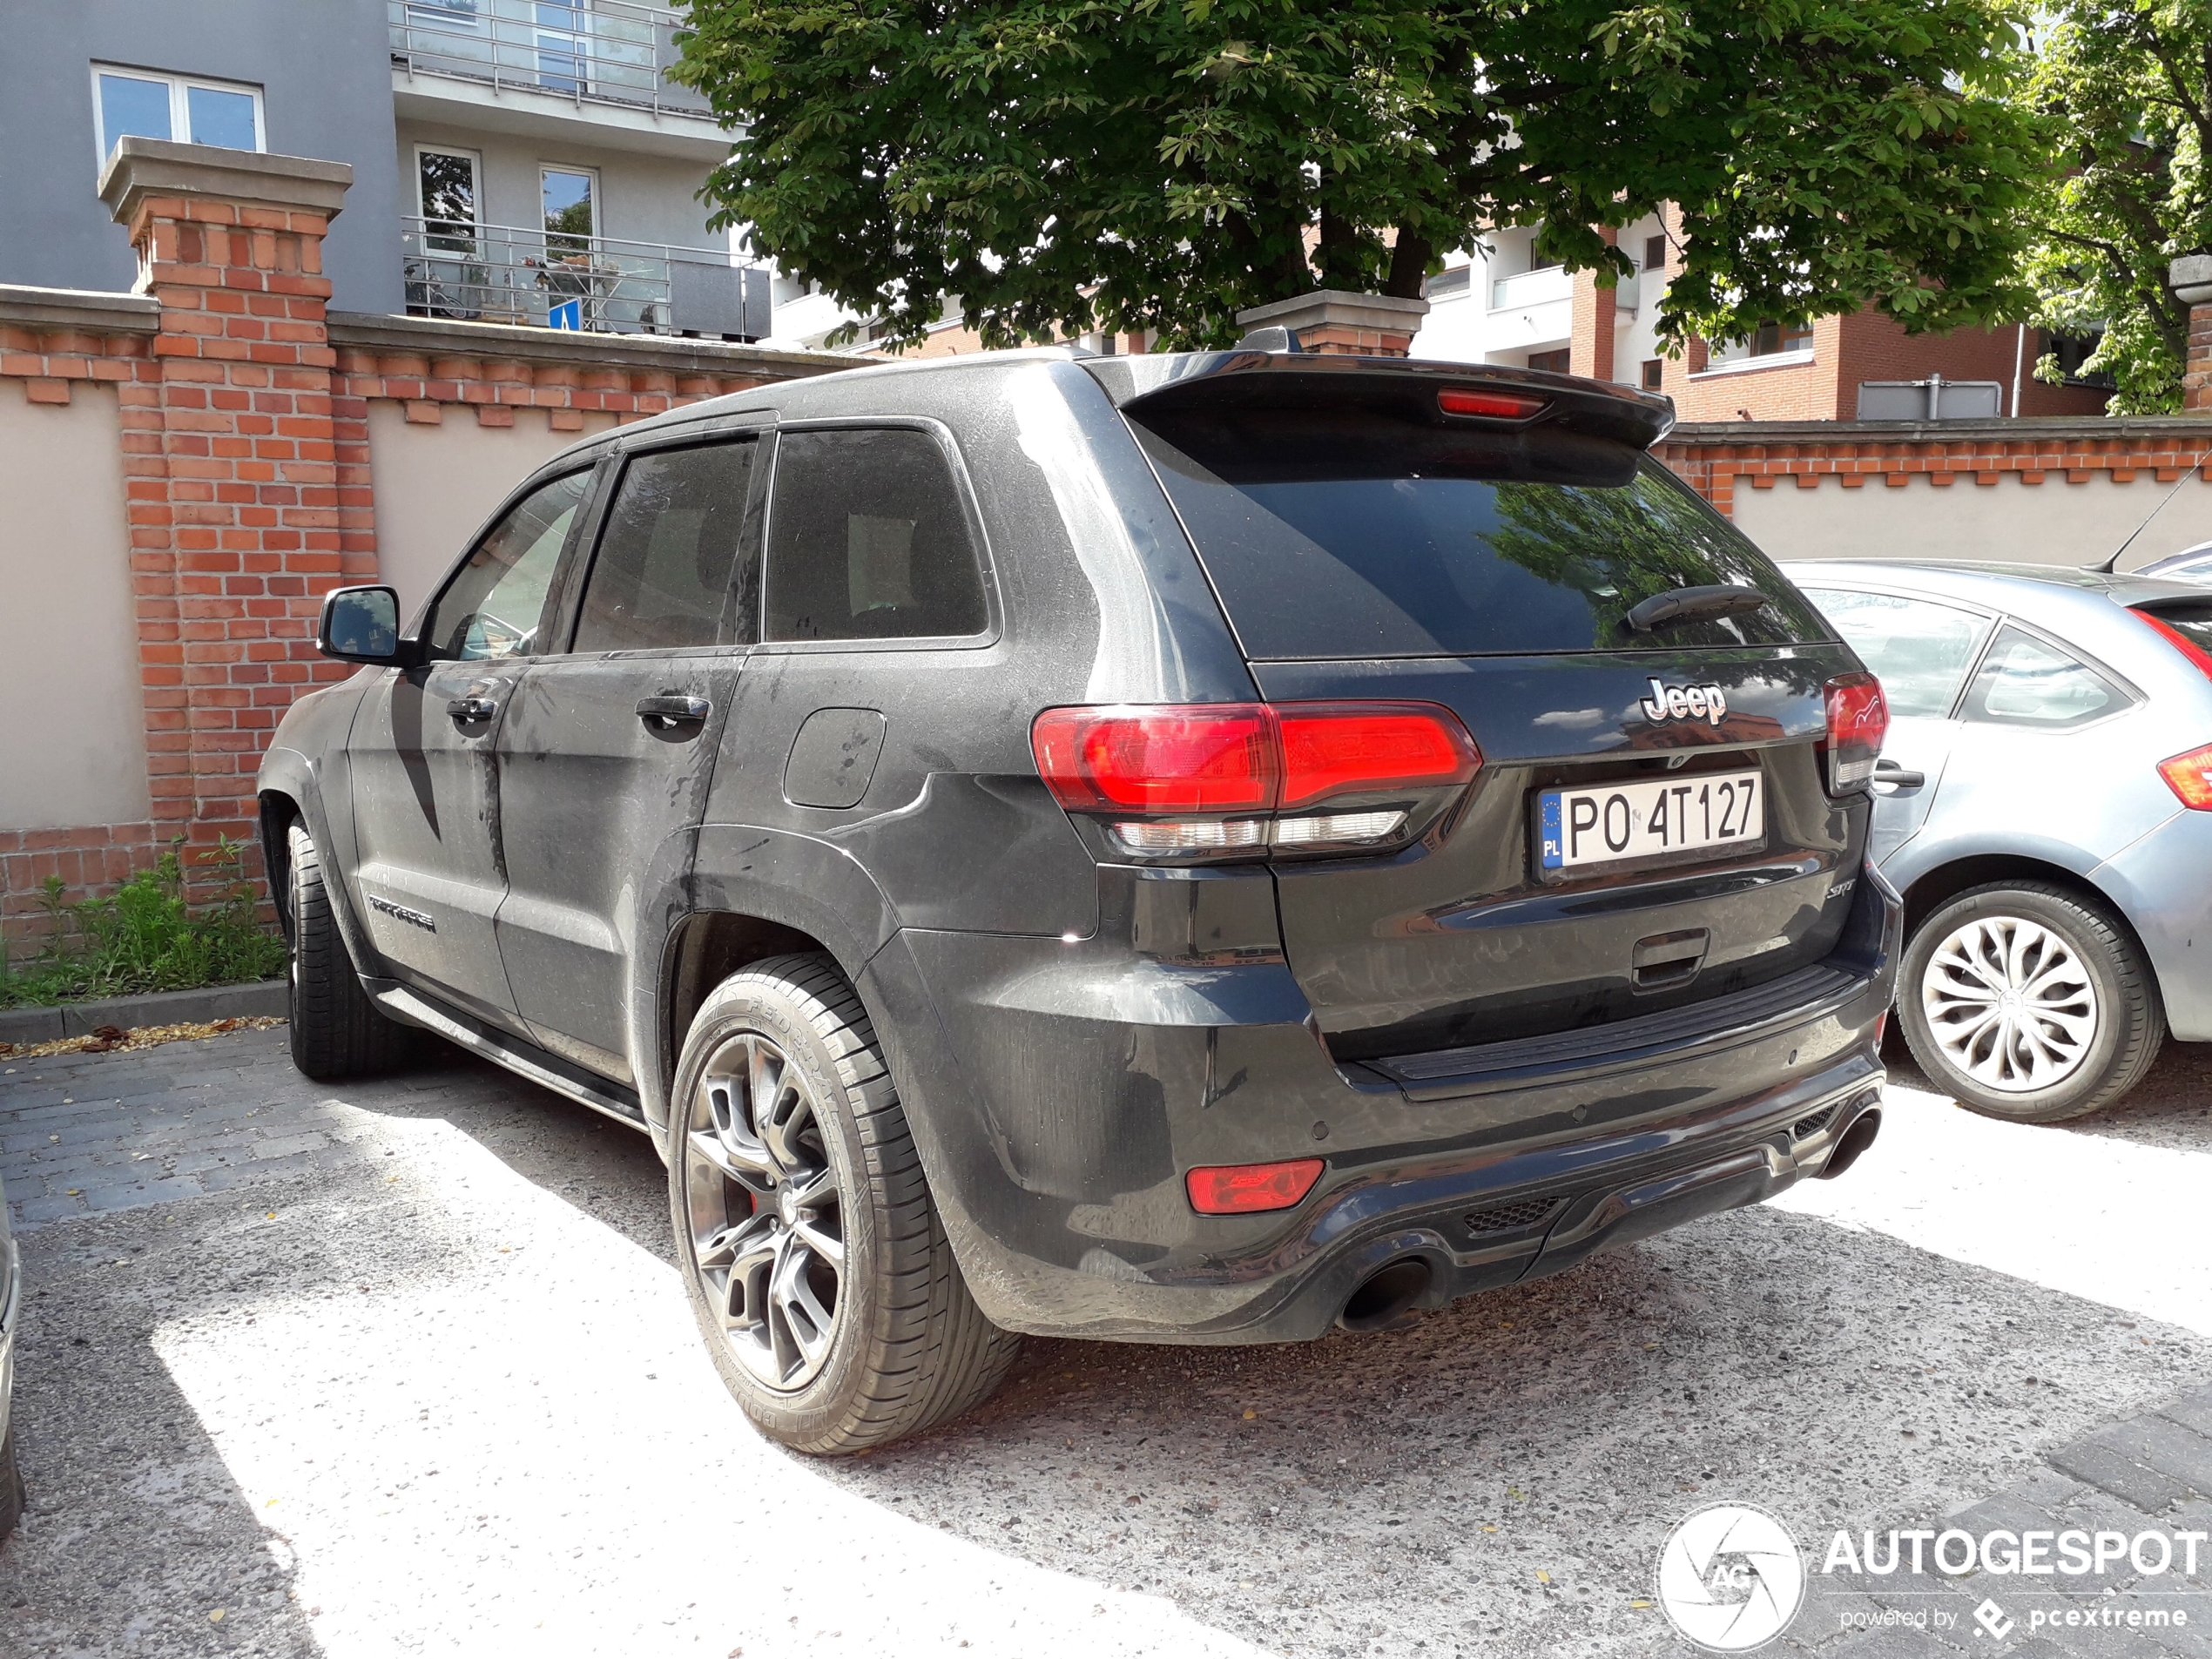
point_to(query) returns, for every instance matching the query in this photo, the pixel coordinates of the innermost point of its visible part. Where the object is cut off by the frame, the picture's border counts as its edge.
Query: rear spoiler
(1399, 387)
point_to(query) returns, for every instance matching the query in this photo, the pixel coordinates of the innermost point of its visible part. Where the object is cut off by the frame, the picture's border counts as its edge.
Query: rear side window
(1357, 534)
(2025, 681)
(1920, 651)
(667, 572)
(867, 540)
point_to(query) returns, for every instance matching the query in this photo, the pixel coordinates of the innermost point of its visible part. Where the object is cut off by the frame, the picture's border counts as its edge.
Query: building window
(571, 208)
(1655, 252)
(1449, 285)
(136, 103)
(446, 196)
(1556, 361)
(1774, 338)
(1653, 372)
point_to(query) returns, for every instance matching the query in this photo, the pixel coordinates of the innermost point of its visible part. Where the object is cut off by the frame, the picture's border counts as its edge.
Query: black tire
(2108, 989)
(907, 1345)
(337, 1032)
(11, 1486)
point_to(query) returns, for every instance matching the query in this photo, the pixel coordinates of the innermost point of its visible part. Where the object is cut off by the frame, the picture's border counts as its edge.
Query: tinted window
(495, 603)
(2025, 682)
(1918, 649)
(666, 571)
(1333, 535)
(866, 540)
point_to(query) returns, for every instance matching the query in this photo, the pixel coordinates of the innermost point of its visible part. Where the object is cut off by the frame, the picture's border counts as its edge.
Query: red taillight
(1240, 1188)
(1859, 719)
(1355, 748)
(2189, 776)
(2181, 641)
(1229, 775)
(1219, 758)
(1503, 406)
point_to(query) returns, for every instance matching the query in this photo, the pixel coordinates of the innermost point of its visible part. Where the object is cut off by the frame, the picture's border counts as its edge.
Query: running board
(523, 1059)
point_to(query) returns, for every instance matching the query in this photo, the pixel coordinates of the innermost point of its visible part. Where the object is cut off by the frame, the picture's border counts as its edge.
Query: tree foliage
(2128, 85)
(1056, 166)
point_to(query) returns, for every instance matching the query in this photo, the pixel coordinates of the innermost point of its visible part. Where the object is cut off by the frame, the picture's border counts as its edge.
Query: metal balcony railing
(588, 51)
(599, 284)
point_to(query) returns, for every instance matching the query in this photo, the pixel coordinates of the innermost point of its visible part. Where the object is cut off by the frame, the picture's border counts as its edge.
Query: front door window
(495, 603)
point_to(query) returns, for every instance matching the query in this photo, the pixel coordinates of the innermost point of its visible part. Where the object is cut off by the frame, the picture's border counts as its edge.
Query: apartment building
(1500, 303)
(519, 161)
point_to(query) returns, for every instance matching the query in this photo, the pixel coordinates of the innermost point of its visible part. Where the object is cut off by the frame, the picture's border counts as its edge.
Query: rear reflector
(1240, 1188)
(2189, 776)
(1498, 405)
(1225, 770)
(1859, 719)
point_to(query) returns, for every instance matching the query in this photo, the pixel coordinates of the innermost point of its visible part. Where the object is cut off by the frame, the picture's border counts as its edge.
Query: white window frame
(179, 105)
(475, 161)
(598, 198)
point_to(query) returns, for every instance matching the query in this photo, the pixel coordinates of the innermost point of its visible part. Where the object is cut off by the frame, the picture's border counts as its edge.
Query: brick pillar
(1344, 325)
(1589, 340)
(230, 464)
(2191, 279)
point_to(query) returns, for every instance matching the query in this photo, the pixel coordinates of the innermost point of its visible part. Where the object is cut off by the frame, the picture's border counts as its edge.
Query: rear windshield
(2193, 624)
(1330, 535)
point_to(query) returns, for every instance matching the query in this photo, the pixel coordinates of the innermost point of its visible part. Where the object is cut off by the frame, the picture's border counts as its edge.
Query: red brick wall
(1716, 461)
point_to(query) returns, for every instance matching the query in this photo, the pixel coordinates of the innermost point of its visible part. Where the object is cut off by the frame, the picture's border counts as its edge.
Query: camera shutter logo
(1731, 1578)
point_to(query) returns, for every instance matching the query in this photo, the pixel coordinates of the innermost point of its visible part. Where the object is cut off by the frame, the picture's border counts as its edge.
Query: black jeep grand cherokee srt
(1190, 848)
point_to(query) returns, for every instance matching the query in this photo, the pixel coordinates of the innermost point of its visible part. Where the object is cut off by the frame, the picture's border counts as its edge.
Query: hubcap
(767, 1222)
(2010, 1004)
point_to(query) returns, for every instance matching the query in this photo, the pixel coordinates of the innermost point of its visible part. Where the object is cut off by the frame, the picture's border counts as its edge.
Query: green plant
(146, 936)
(1045, 167)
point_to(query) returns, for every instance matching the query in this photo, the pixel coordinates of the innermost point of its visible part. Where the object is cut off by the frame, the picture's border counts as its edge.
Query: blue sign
(568, 314)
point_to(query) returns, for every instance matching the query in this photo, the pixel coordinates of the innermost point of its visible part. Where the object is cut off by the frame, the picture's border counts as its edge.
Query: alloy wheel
(766, 1217)
(2010, 1003)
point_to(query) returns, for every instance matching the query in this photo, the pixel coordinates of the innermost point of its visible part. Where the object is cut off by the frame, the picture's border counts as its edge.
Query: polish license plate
(1620, 822)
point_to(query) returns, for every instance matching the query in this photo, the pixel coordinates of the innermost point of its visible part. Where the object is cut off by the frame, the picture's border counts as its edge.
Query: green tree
(2128, 84)
(1056, 165)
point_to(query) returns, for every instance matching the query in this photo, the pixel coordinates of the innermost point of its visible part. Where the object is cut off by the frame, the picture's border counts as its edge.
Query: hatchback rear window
(1329, 535)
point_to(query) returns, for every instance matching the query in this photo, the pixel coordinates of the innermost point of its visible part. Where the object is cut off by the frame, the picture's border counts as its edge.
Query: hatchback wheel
(2028, 1004)
(817, 1267)
(10, 1485)
(337, 1032)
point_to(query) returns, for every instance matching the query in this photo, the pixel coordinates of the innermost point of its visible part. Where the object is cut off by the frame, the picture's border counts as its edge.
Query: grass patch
(144, 937)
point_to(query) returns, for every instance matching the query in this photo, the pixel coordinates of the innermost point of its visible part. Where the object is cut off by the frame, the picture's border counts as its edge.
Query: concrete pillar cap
(1382, 313)
(2190, 277)
(139, 168)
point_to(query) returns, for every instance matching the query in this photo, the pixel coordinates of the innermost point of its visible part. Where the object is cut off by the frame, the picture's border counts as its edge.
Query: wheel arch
(1933, 888)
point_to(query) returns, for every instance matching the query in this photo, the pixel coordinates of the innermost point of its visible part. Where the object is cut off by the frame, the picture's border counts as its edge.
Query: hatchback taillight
(1240, 779)
(2190, 777)
(1859, 719)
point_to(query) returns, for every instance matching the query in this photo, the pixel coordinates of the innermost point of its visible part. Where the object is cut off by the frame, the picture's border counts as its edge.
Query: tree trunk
(1408, 266)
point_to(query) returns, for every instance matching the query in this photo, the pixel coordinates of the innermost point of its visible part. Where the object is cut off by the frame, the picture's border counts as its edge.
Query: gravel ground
(406, 1369)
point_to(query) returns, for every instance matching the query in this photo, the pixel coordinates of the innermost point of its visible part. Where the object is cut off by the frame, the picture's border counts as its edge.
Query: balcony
(1532, 288)
(525, 62)
(598, 284)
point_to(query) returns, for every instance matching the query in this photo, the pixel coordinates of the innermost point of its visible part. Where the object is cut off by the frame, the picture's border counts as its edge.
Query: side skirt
(523, 1059)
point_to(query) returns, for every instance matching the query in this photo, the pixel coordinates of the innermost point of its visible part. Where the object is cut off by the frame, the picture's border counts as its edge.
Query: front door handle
(671, 712)
(1888, 772)
(471, 711)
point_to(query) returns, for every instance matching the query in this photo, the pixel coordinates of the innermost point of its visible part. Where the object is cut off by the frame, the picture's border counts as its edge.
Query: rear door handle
(469, 711)
(1888, 772)
(670, 713)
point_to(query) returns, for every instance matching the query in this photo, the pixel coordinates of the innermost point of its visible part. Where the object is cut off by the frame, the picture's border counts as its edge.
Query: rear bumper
(1061, 1091)
(2159, 882)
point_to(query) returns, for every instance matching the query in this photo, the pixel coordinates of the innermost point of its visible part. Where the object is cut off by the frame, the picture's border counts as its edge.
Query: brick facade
(250, 493)
(1718, 459)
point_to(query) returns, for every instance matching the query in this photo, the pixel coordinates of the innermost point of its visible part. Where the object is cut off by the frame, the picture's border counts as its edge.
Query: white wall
(436, 484)
(2052, 523)
(72, 729)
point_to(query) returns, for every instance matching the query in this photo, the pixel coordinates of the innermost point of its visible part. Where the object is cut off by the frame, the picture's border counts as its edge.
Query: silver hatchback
(2045, 805)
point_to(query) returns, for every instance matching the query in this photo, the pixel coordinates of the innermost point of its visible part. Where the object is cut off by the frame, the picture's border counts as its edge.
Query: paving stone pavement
(402, 1368)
